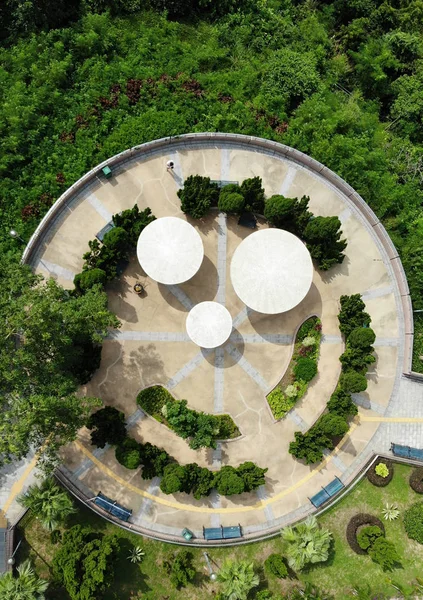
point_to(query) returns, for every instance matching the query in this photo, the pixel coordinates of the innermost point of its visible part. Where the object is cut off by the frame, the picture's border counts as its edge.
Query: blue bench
(222, 533)
(407, 452)
(112, 507)
(327, 492)
(108, 227)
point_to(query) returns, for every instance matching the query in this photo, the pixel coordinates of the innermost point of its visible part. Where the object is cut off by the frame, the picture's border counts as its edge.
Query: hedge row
(333, 424)
(302, 368)
(201, 428)
(108, 427)
(321, 234)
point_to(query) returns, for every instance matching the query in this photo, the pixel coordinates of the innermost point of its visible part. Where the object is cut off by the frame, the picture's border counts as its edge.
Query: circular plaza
(226, 356)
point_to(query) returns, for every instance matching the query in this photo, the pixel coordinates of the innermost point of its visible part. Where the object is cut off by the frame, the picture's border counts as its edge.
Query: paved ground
(152, 347)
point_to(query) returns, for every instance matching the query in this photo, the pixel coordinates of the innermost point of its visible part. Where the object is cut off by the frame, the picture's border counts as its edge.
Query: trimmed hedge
(413, 522)
(354, 525)
(305, 369)
(153, 399)
(128, 453)
(376, 479)
(416, 480)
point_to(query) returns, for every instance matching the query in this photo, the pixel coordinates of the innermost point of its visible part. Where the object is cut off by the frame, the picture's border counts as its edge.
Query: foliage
(173, 479)
(279, 403)
(353, 382)
(323, 237)
(154, 460)
(352, 314)
(84, 562)
(180, 569)
(87, 279)
(48, 502)
(238, 579)
(56, 536)
(305, 369)
(362, 338)
(309, 592)
(382, 470)
(307, 543)
(413, 522)
(275, 564)
(253, 192)
(129, 453)
(416, 480)
(390, 512)
(252, 475)
(136, 555)
(384, 553)
(290, 214)
(133, 222)
(309, 327)
(357, 522)
(153, 399)
(108, 427)
(331, 425)
(368, 535)
(228, 482)
(26, 586)
(231, 200)
(340, 403)
(198, 195)
(198, 426)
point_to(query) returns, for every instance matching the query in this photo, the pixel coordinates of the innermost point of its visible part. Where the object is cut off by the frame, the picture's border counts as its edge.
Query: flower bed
(379, 480)
(358, 521)
(416, 480)
(301, 369)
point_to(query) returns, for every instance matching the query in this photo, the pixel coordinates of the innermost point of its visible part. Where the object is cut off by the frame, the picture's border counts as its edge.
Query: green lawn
(339, 575)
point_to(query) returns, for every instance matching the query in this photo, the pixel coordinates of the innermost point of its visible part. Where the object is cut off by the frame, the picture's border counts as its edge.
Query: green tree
(173, 479)
(228, 482)
(84, 563)
(238, 579)
(323, 237)
(133, 220)
(252, 475)
(340, 403)
(362, 338)
(275, 564)
(87, 279)
(332, 425)
(231, 203)
(353, 382)
(50, 504)
(108, 427)
(290, 214)
(26, 586)
(307, 543)
(352, 314)
(384, 553)
(253, 192)
(129, 453)
(198, 195)
(180, 569)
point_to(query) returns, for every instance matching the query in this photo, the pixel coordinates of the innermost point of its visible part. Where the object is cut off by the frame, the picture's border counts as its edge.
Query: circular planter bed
(354, 525)
(376, 479)
(416, 480)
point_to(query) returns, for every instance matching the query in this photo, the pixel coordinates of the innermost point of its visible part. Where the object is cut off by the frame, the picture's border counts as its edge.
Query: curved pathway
(152, 345)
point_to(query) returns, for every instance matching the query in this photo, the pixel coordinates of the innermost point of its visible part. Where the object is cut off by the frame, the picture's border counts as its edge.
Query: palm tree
(307, 543)
(49, 502)
(26, 586)
(136, 555)
(238, 579)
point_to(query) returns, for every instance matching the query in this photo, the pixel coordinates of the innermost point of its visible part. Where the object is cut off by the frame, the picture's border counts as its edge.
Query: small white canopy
(209, 324)
(271, 271)
(170, 250)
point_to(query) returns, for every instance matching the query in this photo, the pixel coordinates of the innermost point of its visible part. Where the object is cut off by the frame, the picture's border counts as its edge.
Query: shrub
(108, 425)
(382, 470)
(133, 222)
(228, 482)
(356, 359)
(361, 337)
(416, 480)
(381, 480)
(353, 382)
(173, 479)
(180, 569)
(307, 543)
(368, 535)
(340, 403)
(290, 214)
(154, 461)
(275, 564)
(305, 369)
(310, 340)
(279, 403)
(352, 314)
(253, 192)
(390, 512)
(128, 453)
(309, 446)
(152, 399)
(198, 195)
(117, 243)
(291, 391)
(355, 523)
(308, 328)
(227, 427)
(198, 480)
(231, 199)
(55, 536)
(413, 522)
(87, 279)
(384, 553)
(331, 425)
(252, 475)
(322, 235)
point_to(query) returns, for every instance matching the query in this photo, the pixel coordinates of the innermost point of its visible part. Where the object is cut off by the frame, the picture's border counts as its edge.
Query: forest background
(81, 80)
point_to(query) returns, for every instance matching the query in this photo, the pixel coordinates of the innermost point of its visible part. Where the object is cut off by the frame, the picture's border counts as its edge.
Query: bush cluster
(380, 476)
(357, 522)
(275, 564)
(309, 446)
(416, 480)
(202, 429)
(103, 260)
(198, 195)
(413, 522)
(108, 426)
(368, 535)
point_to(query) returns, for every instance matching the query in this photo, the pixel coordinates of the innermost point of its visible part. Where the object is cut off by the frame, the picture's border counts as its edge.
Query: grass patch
(418, 344)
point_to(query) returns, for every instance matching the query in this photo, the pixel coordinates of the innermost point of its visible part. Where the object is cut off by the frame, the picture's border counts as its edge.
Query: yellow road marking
(393, 419)
(18, 485)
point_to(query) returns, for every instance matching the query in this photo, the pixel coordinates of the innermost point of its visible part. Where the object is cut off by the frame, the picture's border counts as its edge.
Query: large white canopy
(271, 271)
(170, 250)
(209, 324)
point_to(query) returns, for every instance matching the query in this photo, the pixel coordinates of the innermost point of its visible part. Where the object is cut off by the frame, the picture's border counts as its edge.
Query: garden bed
(300, 371)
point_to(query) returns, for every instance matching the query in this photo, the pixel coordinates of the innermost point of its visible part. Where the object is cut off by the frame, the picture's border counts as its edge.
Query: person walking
(170, 165)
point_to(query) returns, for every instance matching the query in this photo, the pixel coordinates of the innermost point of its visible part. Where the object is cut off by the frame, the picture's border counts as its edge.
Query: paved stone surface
(99, 207)
(152, 348)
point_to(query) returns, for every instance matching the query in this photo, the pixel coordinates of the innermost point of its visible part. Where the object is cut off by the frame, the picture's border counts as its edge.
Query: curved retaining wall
(275, 148)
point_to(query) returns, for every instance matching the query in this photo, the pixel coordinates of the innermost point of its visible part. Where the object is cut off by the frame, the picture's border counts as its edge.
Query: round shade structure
(209, 324)
(271, 271)
(170, 250)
